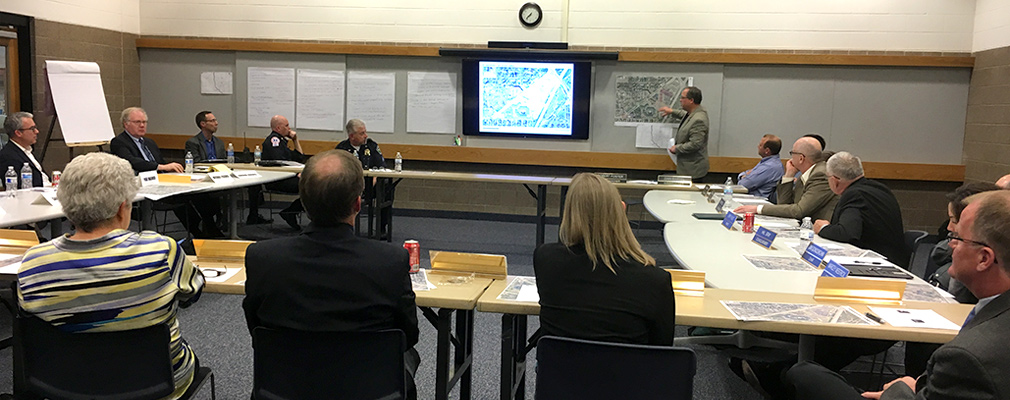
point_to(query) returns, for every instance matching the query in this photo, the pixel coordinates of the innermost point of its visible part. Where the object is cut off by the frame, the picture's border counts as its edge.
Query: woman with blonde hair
(597, 283)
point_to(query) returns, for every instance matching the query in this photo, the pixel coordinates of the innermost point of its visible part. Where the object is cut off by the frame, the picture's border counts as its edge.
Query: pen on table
(867, 262)
(874, 318)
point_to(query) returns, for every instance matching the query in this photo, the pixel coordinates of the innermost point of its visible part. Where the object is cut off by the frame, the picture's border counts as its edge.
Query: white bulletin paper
(653, 136)
(371, 97)
(271, 92)
(216, 83)
(431, 102)
(320, 99)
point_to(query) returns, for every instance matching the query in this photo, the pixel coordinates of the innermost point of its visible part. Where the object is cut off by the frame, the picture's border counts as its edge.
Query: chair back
(290, 364)
(912, 237)
(120, 365)
(922, 264)
(584, 369)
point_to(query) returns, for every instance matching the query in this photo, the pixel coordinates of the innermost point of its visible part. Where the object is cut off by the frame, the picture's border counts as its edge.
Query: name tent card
(221, 177)
(764, 237)
(814, 254)
(245, 173)
(148, 178)
(729, 220)
(835, 270)
(718, 206)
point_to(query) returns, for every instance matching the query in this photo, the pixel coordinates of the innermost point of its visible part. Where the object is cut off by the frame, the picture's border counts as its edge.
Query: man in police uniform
(361, 146)
(275, 147)
(367, 151)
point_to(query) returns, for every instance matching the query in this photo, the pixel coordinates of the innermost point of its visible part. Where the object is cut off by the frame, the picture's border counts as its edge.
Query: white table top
(19, 209)
(663, 204)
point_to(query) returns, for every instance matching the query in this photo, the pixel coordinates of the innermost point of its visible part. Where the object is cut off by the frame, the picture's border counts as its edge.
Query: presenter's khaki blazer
(692, 143)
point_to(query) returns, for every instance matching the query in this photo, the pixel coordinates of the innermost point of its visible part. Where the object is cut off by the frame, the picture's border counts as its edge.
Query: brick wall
(116, 55)
(987, 130)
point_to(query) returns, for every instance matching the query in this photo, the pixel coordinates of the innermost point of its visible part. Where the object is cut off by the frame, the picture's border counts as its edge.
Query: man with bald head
(810, 195)
(1004, 181)
(329, 279)
(976, 363)
(275, 147)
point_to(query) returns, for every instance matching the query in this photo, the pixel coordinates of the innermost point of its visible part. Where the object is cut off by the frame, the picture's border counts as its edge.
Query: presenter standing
(691, 141)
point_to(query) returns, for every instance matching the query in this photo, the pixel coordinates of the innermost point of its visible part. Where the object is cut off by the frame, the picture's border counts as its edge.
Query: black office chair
(912, 237)
(922, 264)
(301, 365)
(120, 365)
(588, 370)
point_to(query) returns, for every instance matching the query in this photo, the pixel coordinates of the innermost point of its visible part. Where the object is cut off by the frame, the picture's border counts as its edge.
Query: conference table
(539, 194)
(449, 307)
(22, 207)
(706, 309)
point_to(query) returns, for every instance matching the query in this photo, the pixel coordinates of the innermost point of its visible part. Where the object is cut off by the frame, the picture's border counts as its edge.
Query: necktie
(147, 152)
(970, 316)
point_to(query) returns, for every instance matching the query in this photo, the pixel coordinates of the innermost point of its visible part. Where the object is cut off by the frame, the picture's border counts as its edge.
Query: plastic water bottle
(231, 154)
(398, 166)
(727, 190)
(258, 155)
(806, 229)
(189, 162)
(11, 180)
(26, 177)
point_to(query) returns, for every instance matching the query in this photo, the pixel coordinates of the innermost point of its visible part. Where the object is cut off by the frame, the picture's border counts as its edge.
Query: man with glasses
(810, 196)
(691, 139)
(20, 128)
(975, 364)
(867, 215)
(204, 145)
(144, 155)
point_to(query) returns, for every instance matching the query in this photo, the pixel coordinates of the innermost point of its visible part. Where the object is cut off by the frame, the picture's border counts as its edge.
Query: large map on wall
(639, 98)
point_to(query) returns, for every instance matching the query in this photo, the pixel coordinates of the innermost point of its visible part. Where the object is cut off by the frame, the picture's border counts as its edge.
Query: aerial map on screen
(526, 97)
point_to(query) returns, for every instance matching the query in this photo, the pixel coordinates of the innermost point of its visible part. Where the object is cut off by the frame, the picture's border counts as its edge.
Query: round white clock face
(530, 14)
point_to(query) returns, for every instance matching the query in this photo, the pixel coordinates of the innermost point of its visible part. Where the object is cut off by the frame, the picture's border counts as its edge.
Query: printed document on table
(320, 103)
(927, 293)
(12, 268)
(779, 263)
(158, 192)
(514, 291)
(912, 318)
(419, 281)
(431, 102)
(371, 97)
(791, 312)
(219, 274)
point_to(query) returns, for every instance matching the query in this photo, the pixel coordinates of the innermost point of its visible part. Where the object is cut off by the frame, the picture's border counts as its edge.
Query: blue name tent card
(835, 270)
(729, 220)
(814, 254)
(764, 237)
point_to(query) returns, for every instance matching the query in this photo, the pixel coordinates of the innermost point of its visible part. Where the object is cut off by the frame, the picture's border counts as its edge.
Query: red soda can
(748, 222)
(56, 178)
(414, 248)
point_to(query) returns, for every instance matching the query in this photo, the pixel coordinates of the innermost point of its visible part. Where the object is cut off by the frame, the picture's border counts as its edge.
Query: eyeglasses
(138, 122)
(31, 128)
(796, 153)
(954, 236)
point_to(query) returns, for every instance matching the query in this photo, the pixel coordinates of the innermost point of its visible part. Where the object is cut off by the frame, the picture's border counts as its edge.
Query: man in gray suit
(976, 363)
(691, 141)
(809, 195)
(204, 145)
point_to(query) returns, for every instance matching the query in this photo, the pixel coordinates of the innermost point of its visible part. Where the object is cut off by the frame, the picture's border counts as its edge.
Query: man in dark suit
(204, 145)
(327, 278)
(976, 363)
(691, 138)
(144, 155)
(20, 128)
(867, 214)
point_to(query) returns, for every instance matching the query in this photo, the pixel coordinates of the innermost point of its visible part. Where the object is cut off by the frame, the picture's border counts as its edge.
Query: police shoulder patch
(275, 141)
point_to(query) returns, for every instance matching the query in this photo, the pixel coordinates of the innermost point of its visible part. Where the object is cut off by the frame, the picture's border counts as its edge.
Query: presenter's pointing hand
(665, 110)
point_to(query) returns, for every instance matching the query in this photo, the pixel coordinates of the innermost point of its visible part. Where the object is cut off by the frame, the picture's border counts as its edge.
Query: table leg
(55, 228)
(442, 367)
(464, 351)
(147, 215)
(233, 213)
(513, 357)
(541, 213)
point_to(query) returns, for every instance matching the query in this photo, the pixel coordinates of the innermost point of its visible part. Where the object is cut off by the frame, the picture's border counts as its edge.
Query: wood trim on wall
(628, 56)
(584, 159)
